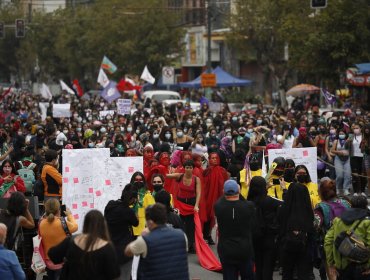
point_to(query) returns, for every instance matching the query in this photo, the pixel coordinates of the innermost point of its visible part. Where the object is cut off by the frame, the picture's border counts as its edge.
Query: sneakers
(355, 194)
(363, 194)
(346, 192)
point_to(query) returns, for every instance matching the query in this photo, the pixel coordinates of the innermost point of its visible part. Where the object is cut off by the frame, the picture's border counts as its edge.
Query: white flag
(146, 76)
(45, 92)
(102, 78)
(66, 88)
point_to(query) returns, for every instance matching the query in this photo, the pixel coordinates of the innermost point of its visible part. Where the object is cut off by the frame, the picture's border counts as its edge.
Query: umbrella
(301, 89)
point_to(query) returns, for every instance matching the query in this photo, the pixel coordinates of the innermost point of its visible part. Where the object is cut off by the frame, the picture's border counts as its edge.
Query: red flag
(77, 87)
(5, 93)
(126, 85)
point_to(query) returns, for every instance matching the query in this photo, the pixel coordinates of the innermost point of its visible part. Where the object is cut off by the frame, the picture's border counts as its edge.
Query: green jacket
(346, 222)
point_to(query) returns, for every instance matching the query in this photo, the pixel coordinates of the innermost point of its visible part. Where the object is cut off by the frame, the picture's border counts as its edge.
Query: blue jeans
(231, 271)
(343, 173)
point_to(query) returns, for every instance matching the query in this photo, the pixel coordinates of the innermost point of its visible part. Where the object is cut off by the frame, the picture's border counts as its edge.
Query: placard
(62, 110)
(305, 156)
(124, 106)
(103, 114)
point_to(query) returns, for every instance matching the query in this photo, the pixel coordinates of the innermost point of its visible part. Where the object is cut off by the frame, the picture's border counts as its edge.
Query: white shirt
(356, 146)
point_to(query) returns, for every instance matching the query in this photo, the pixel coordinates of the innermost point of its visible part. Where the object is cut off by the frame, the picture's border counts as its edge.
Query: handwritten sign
(124, 106)
(62, 110)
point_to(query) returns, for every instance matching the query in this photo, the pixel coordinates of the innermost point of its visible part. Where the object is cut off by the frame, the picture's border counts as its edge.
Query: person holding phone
(10, 182)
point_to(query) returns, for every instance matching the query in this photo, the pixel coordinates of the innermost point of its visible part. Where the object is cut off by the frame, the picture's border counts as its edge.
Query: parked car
(159, 96)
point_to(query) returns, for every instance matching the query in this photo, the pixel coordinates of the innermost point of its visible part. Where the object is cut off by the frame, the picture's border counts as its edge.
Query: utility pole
(209, 34)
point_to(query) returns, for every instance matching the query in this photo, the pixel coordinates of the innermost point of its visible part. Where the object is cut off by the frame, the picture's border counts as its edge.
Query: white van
(160, 95)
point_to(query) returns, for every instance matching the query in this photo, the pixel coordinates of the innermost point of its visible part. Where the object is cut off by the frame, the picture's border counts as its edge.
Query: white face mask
(65, 132)
(155, 136)
(180, 134)
(168, 136)
(137, 131)
(129, 129)
(103, 130)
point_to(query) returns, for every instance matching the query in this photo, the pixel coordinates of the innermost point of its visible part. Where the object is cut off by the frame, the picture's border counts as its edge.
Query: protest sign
(301, 156)
(91, 179)
(62, 110)
(124, 106)
(103, 114)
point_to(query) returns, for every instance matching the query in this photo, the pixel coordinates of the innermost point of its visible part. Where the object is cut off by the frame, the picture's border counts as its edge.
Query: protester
(53, 229)
(303, 177)
(89, 255)
(297, 233)
(235, 220)
(162, 249)
(51, 178)
(355, 219)
(10, 267)
(173, 218)
(356, 161)
(16, 216)
(267, 228)
(10, 181)
(120, 220)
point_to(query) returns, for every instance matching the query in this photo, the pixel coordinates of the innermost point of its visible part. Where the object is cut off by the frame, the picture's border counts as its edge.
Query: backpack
(28, 175)
(332, 210)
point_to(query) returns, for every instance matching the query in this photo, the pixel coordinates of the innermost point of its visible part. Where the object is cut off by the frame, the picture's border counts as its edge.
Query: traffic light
(20, 30)
(2, 30)
(317, 4)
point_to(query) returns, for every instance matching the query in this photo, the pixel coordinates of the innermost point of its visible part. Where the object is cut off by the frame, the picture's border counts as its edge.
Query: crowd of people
(204, 162)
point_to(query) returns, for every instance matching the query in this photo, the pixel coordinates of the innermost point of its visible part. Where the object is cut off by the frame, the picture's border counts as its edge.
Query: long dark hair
(132, 181)
(297, 209)
(16, 204)
(305, 168)
(14, 171)
(257, 190)
(94, 227)
(128, 193)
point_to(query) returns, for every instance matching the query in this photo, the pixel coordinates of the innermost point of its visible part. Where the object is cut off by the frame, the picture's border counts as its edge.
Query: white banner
(124, 106)
(91, 179)
(301, 156)
(62, 110)
(103, 114)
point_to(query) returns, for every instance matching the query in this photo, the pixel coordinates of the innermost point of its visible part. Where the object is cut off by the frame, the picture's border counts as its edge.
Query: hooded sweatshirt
(348, 220)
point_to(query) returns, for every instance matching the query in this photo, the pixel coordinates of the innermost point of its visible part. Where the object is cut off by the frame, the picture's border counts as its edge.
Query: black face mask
(289, 174)
(139, 185)
(157, 187)
(302, 178)
(278, 172)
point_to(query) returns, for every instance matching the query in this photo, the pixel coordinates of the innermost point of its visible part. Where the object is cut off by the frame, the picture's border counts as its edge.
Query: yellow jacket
(275, 190)
(244, 186)
(147, 200)
(313, 190)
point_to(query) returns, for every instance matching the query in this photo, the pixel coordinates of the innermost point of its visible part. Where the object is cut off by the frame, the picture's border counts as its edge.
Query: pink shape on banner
(66, 169)
(98, 193)
(91, 205)
(108, 182)
(305, 153)
(76, 216)
(75, 180)
(91, 190)
(65, 180)
(74, 206)
(131, 169)
(84, 203)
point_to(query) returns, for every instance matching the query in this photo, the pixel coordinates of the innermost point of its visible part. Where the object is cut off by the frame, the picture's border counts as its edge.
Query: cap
(231, 187)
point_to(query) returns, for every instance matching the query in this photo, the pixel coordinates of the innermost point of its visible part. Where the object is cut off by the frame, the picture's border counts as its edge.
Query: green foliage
(71, 43)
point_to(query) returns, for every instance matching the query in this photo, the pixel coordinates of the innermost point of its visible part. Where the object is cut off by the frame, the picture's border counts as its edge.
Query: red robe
(214, 179)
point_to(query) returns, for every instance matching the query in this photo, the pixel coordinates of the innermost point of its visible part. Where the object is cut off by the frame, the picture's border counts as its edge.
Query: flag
(66, 88)
(127, 85)
(329, 98)
(108, 65)
(110, 92)
(102, 78)
(77, 87)
(146, 76)
(45, 92)
(5, 93)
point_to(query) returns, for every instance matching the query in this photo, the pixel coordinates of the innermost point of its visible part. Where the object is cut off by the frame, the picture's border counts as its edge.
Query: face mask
(129, 129)
(342, 137)
(358, 112)
(208, 124)
(65, 132)
(75, 116)
(185, 130)
(78, 129)
(213, 135)
(332, 131)
(264, 111)
(259, 122)
(229, 137)
(91, 145)
(103, 130)
(157, 187)
(189, 122)
(139, 185)
(302, 178)
(357, 131)
(180, 134)
(227, 130)
(137, 131)
(141, 121)
(168, 136)
(108, 118)
(155, 136)
(234, 119)
(224, 122)
(289, 174)
(250, 130)
(7, 170)
(278, 172)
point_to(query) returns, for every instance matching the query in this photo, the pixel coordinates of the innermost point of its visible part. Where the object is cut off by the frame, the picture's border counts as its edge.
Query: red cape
(214, 179)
